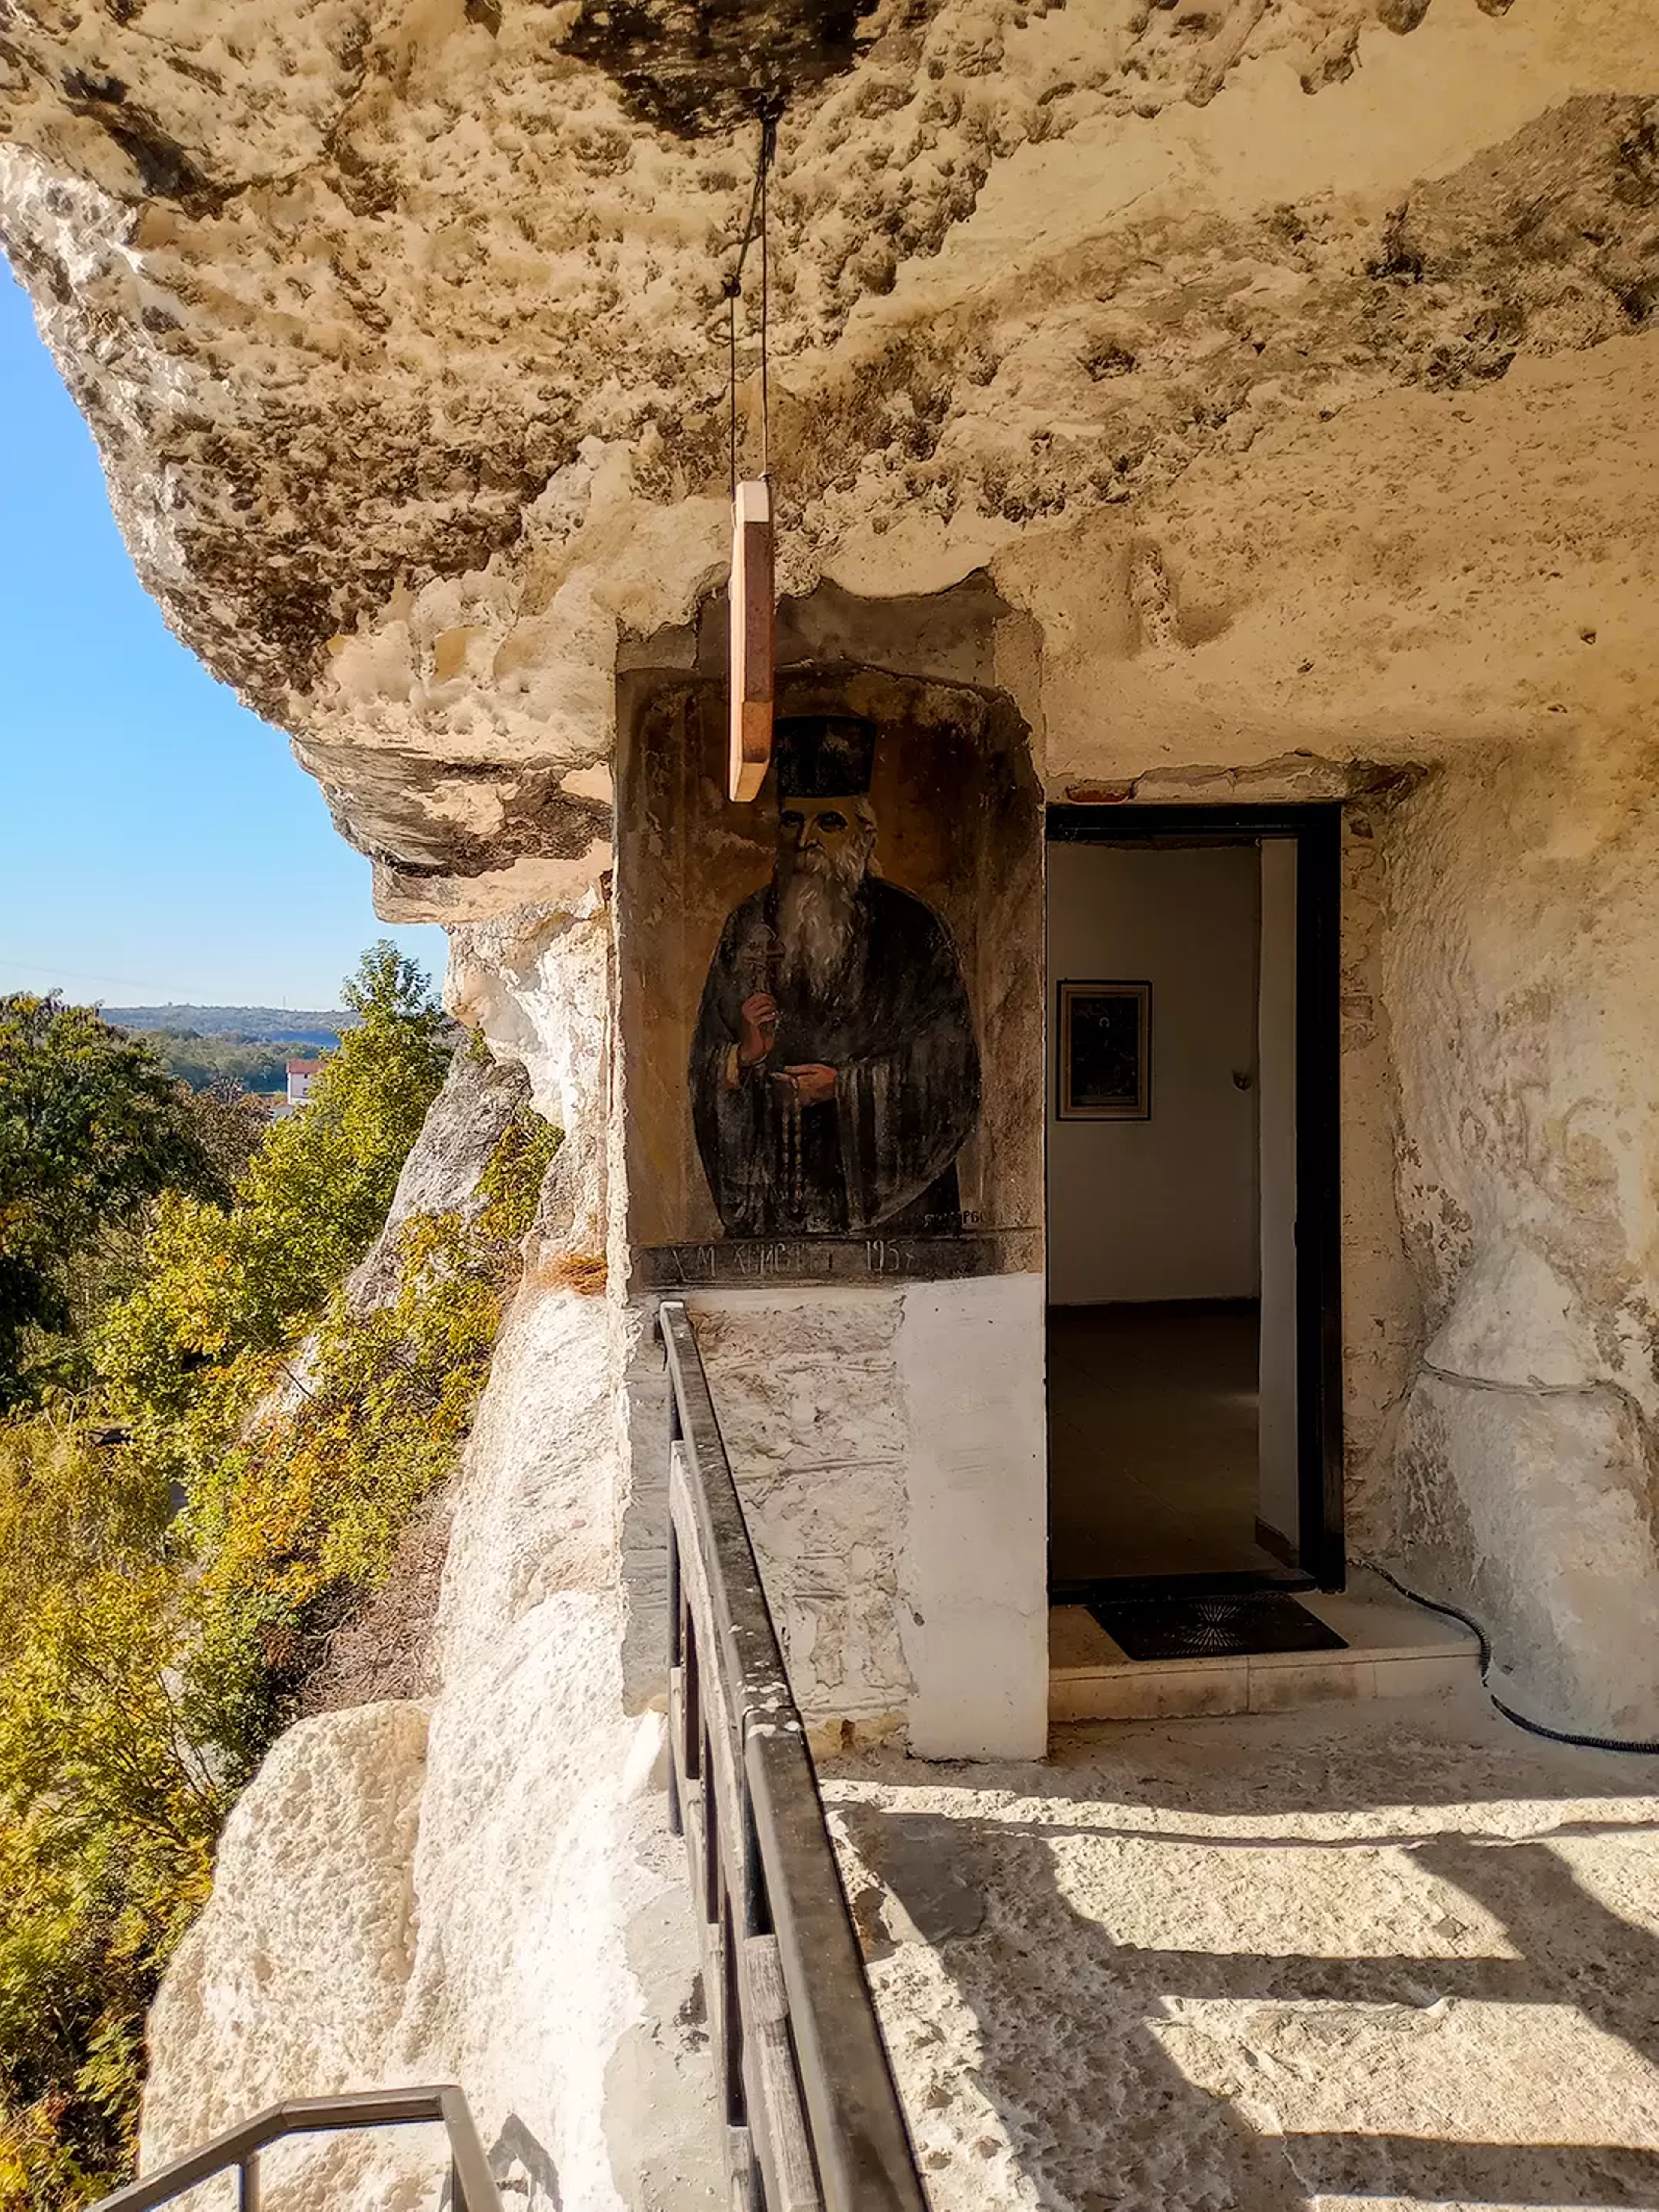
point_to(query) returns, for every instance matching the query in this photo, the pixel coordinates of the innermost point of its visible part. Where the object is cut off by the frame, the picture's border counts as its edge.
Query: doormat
(1213, 1628)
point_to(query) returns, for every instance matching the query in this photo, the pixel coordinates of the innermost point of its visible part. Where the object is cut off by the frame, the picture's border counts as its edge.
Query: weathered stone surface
(534, 984)
(925, 1895)
(1526, 1033)
(1288, 329)
(695, 69)
(292, 1980)
(1401, 1960)
(814, 1423)
(887, 1443)
(463, 1124)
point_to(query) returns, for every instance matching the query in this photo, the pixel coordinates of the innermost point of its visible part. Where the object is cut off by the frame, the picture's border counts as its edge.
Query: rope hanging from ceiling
(750, 673)
(755, 227)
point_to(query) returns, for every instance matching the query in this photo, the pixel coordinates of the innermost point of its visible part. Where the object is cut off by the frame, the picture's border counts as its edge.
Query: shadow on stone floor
(1574, 1952)
(1329, 1761)
(524, 2168)
(1068, 2049)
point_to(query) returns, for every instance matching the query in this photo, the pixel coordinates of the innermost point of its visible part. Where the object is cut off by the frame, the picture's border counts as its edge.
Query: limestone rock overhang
(1290, 363)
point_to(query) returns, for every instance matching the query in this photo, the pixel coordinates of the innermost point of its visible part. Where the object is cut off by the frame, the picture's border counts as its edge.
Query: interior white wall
(1276, 1109)
(1164, 1208)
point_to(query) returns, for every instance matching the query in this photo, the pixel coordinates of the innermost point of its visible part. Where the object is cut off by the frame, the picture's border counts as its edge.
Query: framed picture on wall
(1105, 1070)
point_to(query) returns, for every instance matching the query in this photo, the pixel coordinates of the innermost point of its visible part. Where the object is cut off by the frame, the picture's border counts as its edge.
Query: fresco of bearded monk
(834, 1074)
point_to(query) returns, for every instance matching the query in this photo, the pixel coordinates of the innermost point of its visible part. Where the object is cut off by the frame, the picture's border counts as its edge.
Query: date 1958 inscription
(709, 1263)
(758, 1259)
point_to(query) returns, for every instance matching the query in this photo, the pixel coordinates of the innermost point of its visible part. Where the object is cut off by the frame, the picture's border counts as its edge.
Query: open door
(1193, 1322)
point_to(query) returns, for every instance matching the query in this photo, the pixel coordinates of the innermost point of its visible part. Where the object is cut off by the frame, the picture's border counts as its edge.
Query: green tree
(92, 1128)
(225, 1294)
(109, 1801)
(317, 1193)
(149, 1655)
(231, 1124)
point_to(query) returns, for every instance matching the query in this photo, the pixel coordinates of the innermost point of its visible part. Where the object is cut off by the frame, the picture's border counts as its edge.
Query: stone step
(1394, 1650)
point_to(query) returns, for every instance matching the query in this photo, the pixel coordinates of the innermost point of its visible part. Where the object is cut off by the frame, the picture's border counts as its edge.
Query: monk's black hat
(824, 755)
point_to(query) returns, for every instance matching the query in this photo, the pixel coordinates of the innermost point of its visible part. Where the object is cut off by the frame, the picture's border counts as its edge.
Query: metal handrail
(472, 2187)
(813, 2119)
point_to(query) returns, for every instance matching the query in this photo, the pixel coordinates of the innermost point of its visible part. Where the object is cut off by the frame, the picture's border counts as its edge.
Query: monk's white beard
(814, 920)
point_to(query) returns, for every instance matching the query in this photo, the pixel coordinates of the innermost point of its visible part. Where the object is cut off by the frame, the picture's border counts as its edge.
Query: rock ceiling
(400, 329)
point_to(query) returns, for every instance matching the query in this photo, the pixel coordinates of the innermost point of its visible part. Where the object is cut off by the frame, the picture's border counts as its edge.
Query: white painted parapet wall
(888, 1446)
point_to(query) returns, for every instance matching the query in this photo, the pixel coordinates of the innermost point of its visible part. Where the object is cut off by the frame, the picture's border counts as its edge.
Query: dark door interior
(1192, 1231)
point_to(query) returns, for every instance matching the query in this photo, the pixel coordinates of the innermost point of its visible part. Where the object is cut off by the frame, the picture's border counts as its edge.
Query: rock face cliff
(473, 1884)
(1279, 380)
(475, 1887)
(1315, 323)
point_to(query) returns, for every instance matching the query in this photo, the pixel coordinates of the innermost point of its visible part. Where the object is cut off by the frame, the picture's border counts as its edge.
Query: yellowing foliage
(175, 1547)
(109, 1805)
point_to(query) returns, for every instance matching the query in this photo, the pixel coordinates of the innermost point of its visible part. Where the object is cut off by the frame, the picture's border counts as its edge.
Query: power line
(76, 975)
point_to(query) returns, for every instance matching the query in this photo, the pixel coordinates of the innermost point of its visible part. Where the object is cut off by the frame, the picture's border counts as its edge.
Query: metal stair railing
(472, 2187)
(812, 2118)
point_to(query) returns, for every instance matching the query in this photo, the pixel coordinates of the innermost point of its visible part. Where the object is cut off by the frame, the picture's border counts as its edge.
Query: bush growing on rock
(177, 1543)
(301, 1513)
(109, 1802)
(221, 1284)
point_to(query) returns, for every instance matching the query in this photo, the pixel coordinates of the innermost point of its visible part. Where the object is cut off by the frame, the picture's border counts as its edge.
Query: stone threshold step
(1394, 1650)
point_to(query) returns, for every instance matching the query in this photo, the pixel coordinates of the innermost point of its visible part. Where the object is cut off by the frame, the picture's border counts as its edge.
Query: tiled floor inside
(1152, 1440)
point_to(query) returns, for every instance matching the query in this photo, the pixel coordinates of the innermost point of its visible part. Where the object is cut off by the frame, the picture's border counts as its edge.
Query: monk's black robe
(895, 1027)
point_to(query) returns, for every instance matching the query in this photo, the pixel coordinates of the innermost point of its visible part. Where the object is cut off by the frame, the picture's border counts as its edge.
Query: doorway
(1194, 1329)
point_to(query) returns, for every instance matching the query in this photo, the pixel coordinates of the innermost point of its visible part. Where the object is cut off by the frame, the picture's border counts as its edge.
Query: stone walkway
(1401, 1956)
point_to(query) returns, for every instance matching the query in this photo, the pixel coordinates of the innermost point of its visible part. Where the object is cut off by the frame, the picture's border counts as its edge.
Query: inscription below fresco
(756, 1259)
(834, 1072)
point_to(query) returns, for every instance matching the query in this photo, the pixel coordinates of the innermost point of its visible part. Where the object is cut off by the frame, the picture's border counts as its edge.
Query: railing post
(472, 2185)
(676, 1663)
(237, 2150)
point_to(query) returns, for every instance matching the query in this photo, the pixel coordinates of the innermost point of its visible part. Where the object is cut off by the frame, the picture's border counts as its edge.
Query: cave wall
(1523, 947)
(1289, 358)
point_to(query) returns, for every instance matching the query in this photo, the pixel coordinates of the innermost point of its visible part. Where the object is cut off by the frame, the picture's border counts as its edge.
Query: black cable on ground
(1533, 1727)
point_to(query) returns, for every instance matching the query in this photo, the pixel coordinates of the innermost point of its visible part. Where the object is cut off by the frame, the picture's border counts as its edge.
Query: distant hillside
(250, 1024)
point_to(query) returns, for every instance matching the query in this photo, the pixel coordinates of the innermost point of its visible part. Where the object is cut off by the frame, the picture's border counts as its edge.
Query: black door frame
(1317, 830)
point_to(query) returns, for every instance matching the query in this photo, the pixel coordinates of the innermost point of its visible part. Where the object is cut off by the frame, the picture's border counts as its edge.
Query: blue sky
(157, 841)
